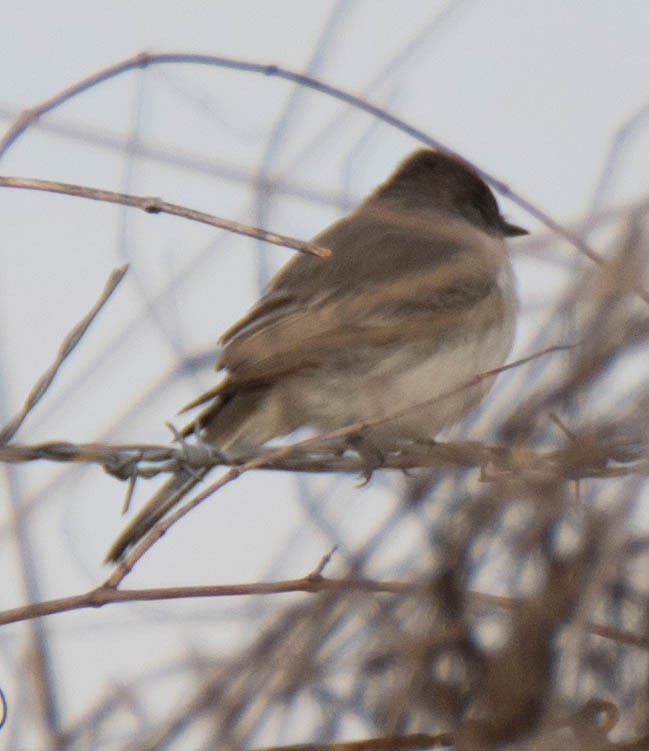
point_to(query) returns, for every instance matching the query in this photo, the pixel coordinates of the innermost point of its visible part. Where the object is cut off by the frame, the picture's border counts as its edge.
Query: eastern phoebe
(417, 298)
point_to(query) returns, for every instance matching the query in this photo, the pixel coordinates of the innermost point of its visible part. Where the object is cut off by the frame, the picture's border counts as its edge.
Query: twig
(154, 205)
(66, 348)
(107, 594)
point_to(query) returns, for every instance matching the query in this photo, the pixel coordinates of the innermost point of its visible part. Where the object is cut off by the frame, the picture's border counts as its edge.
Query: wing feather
(433, 305)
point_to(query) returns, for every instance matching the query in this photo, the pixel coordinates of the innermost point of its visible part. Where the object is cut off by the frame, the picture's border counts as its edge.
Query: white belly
(424, 386)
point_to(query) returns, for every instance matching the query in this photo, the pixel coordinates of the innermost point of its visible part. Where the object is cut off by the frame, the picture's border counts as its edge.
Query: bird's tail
(234, 424)
(168, 495)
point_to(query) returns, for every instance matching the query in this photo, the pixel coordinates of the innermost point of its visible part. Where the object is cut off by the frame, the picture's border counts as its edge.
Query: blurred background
(549, 96)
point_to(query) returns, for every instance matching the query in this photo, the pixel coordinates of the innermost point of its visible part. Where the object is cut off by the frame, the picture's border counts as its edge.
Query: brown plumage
(417, 298)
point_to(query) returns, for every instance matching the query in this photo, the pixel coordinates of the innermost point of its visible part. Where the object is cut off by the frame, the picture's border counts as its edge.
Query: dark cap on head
(444, 181)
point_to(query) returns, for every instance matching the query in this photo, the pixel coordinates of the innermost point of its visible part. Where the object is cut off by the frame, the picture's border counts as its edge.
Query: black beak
(512, 230)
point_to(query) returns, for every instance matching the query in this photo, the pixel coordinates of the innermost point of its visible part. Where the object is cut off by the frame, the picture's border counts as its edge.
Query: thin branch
(107, 594)
(66, 348)
(154, 205)
(124, 567)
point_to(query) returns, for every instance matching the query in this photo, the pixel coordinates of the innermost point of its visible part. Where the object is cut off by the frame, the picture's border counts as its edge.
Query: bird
(417, 298)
